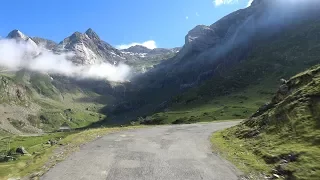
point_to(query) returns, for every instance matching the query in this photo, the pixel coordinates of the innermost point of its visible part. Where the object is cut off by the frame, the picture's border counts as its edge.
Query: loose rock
(21, 150)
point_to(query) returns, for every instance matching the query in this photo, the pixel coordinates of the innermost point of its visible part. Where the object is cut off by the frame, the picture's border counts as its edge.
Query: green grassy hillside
(282, 137)
(35, 102)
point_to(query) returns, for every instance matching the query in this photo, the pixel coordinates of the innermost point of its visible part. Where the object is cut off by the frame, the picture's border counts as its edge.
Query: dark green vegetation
(282, 137)
(237, 106)
(238, 91)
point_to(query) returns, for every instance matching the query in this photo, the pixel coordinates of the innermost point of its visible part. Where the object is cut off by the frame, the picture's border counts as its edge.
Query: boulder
(283, 81)
(284, 89)
(21, 150)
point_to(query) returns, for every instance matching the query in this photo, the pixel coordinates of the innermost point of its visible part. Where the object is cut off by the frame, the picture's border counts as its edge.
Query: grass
(71, 109)
(261, 155)
(43, 156)
(239, 105)
(234, 150)
(283, 139)
(35, 145)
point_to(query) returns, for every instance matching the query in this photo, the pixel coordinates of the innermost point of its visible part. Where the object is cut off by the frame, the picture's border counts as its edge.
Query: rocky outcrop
(198, 39)
(12, 93)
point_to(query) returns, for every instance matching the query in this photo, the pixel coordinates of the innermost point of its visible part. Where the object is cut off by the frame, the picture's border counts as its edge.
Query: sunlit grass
(43, 155)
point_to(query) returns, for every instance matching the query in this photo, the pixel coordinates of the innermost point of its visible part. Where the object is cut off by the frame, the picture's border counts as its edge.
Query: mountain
(16, 34)
(146, 59)
(19, 36)
(284, 133)
(144, 51)
(137, 49)
(46, 43)
(90, 49)
(87, 47)
(236, 54)
(240, 57)
(33, 102)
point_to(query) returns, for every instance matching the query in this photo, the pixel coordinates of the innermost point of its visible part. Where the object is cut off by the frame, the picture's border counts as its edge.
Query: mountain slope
(46, 43)
(285, 133)
(201, 73)
(146, 59)
(35, 102)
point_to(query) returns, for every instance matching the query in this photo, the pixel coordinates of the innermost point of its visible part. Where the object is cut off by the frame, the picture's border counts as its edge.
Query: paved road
(178, 152)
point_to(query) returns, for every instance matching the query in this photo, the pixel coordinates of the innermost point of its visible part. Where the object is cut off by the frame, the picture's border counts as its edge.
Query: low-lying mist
(15, 55)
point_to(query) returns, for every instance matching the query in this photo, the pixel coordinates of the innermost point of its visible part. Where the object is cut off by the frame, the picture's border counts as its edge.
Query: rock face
(12, 92)
(16, 34)
(19, 36)
(45, 43)
(198, 39)
(90, 49)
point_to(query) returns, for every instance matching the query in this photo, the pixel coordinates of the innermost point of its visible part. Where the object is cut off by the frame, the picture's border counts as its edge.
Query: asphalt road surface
(173, 152)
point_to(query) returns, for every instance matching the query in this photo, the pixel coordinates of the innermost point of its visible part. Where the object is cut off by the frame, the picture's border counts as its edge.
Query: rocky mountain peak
(89, 49)
(137, 49)
(76, 36)
(200, 30)
(20, 37)
(92, 35)
(16, 34)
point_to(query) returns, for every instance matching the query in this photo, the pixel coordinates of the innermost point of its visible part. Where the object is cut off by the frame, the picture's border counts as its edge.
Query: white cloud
(249, 3)
(187, 17)
(197, 14)
(224, 2)
(151, 44)
(17, 55)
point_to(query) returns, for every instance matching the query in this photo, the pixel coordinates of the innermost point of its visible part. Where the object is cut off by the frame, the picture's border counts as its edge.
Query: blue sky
(118, 22)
